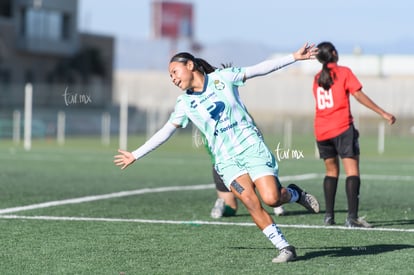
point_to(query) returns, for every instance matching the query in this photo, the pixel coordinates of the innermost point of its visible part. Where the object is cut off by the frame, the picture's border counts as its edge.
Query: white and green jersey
(219, 114)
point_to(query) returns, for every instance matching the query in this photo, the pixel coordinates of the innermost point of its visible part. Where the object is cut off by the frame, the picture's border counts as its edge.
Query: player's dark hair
(326, 54)
(199, 64)
(226, 65)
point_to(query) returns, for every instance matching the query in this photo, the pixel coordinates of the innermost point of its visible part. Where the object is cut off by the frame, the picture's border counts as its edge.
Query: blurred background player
(226, 203)
(335, 133)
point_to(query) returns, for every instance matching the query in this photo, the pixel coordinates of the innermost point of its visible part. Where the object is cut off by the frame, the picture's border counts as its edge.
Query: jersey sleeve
(268, 66)
(179, 117)
(352, 83)
(234, 75)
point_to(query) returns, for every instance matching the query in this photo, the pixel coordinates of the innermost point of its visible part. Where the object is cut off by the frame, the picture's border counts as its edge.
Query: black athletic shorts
(345, 145)
(220, 186)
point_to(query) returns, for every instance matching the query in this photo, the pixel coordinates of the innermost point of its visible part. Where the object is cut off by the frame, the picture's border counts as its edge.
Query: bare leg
(351, 166)
(226, 203)
(243, 188)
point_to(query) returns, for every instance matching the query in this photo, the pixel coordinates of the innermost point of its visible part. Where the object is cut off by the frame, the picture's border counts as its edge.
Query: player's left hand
(389, 117)
(306, 52)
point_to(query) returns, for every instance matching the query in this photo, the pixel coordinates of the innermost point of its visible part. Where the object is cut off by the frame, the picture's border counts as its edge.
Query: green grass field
(69, 210)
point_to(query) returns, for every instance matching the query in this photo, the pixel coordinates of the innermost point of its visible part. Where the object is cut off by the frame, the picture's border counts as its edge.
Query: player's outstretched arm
(362, 98)
(125, 158)
(263, 68)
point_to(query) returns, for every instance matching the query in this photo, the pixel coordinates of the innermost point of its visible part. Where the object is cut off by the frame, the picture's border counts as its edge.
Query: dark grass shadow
(349, 251)
(304, 212)
(345, 251)
(391, 223)
(288, 213)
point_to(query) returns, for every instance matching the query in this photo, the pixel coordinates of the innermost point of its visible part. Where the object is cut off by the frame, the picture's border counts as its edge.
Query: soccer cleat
(329, 220)
(360, 222)
(279, 211)
(306, 200)
(286, 254)
(218, 209)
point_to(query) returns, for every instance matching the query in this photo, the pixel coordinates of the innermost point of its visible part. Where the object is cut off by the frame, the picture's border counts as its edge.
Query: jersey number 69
(324, 98)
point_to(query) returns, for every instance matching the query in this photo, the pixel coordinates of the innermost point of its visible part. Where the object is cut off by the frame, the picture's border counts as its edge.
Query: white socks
(274, 234)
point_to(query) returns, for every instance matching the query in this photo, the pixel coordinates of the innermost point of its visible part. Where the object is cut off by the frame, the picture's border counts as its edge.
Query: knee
(332, 172)
(272, 200)
(332, 167)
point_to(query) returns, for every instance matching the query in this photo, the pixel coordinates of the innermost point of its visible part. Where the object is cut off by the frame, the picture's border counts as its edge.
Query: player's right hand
(124, 159)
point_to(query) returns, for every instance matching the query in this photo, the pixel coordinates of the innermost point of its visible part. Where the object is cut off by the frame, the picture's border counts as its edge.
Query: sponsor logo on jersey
(206, 97)
(228, 127)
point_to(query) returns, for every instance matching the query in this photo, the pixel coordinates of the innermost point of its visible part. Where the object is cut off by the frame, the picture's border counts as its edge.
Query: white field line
(388, 177)
(176, 188)
(52, 218)
(130, 193)
(104, 197)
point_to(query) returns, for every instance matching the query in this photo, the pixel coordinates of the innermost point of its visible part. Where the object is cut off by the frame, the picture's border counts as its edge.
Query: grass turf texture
(82, 167)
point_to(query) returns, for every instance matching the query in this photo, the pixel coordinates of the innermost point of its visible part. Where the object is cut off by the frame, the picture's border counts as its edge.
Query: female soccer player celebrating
(211, 101)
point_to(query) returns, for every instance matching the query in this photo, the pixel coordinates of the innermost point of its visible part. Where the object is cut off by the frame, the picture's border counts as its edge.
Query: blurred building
(172, 19)
(40, 44)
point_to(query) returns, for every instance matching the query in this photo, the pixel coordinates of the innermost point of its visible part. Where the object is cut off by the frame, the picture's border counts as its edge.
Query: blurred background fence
(276, 101)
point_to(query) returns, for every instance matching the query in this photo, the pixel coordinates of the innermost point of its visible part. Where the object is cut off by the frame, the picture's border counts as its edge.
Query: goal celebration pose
(211, 101)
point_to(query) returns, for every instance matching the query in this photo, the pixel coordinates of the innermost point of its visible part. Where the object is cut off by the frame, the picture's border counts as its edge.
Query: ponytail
(325, 78)
(326, 54)
(203, 66)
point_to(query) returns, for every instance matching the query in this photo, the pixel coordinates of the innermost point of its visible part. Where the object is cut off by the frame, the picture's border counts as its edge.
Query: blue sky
(380, 26)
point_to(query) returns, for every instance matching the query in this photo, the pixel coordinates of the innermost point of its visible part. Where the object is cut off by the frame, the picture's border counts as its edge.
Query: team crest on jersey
(219, 85)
